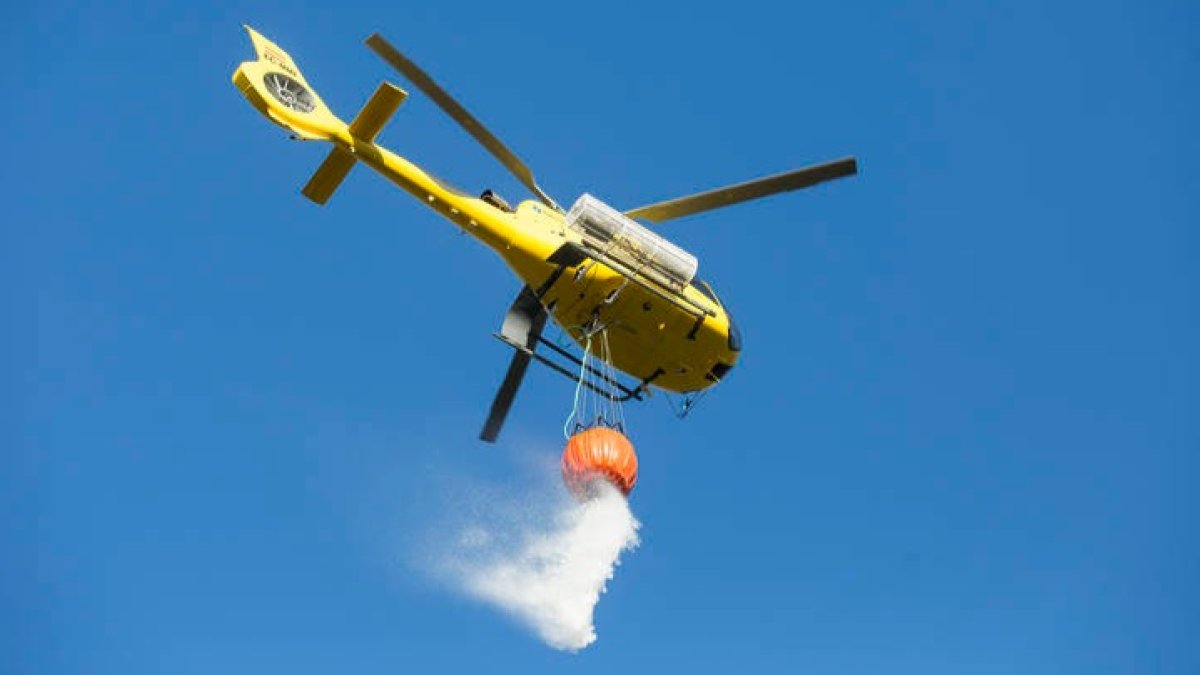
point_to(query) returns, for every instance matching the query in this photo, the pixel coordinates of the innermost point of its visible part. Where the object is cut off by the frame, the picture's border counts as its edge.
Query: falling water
(547, 574)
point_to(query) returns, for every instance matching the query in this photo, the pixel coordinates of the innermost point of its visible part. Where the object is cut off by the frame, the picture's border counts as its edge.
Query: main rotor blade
(455, 110)
(504, 397)
(522, 327)
(742, 192)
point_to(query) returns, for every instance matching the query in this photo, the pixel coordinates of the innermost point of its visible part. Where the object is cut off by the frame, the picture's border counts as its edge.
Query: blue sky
(963, 436)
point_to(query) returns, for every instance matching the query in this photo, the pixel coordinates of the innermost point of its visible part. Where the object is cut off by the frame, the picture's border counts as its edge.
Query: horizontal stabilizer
(376, 113)
(329, 176)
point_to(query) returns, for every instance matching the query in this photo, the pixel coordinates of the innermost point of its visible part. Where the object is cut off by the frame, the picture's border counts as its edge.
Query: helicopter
(591, 268)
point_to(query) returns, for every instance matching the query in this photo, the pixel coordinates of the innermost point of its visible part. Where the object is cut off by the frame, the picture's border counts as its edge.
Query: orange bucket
(599, 452)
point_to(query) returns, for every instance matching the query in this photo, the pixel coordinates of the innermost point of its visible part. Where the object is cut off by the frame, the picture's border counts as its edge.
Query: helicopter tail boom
(275, 86)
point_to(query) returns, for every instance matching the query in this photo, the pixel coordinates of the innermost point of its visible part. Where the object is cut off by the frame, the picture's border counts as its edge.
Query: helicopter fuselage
(681, 340)
(676, 337)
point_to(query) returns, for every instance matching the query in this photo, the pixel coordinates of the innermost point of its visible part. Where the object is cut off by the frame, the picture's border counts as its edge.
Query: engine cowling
(615, 235)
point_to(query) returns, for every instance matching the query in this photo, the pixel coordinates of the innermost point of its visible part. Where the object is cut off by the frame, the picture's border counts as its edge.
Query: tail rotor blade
(456, 111)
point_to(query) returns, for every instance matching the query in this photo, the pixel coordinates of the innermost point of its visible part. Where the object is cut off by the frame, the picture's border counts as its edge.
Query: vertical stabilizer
(276, 87)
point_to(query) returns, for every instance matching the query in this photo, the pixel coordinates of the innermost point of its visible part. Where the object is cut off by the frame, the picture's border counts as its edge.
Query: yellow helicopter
(591, 268)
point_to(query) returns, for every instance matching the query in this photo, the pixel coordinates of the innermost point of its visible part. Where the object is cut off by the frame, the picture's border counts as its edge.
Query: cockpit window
(735, 335)
(702, 286)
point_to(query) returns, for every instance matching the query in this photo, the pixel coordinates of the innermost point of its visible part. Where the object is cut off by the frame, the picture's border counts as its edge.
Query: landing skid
(616, 389)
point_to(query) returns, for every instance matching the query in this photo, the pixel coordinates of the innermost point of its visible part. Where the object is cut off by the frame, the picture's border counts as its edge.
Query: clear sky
(963, 436)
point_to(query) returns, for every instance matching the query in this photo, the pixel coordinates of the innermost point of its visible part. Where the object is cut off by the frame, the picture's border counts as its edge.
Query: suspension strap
(595, 401)
(579, 385)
